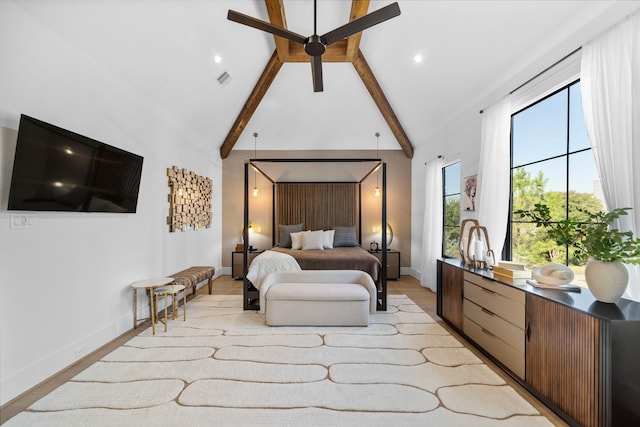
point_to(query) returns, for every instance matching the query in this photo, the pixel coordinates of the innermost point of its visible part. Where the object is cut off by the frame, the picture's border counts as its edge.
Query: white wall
(66, 281)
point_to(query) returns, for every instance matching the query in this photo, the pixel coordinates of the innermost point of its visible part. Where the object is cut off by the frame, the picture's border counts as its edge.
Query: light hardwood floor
(225, 285)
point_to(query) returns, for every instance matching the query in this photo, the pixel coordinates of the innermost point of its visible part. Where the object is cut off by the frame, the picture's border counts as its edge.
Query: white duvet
(270, 261)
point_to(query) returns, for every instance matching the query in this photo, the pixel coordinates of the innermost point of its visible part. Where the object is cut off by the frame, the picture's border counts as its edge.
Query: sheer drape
(432, 227)
(494, 173)
(610, 83)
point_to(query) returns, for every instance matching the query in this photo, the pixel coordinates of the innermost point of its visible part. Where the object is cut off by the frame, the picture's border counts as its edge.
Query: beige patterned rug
(225, 367)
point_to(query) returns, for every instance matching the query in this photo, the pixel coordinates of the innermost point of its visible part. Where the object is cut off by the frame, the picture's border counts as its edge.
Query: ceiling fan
(315, 45)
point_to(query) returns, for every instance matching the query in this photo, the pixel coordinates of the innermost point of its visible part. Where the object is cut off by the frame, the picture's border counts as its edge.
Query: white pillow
(328, 238)
(296, 240)
(312, 240)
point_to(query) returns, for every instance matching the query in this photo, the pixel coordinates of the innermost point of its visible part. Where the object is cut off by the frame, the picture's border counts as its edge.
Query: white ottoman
(318, 298)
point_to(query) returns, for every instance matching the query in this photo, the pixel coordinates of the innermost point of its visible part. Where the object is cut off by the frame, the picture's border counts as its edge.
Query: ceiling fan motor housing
(314, 45)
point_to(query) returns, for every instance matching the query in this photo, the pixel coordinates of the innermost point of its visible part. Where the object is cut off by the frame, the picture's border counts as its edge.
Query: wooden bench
(190, 278)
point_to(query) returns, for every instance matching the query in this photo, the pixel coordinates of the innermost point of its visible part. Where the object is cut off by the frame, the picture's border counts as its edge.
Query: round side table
(149, 285)
(172, 290)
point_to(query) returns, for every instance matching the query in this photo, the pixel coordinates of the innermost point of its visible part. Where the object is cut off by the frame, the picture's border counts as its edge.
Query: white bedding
(270, 261)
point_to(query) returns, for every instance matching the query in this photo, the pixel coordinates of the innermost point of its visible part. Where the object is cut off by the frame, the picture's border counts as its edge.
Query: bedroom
(57, 67)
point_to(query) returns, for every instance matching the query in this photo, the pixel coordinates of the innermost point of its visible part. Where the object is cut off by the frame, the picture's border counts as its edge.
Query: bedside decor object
(373, 246)
(189, 200)
(593, 239)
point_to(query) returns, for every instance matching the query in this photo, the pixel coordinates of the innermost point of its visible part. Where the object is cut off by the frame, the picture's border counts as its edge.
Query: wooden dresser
(580, 357)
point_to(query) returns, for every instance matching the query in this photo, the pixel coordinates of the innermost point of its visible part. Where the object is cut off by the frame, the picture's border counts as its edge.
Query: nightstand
(236, 262)
(393, 263)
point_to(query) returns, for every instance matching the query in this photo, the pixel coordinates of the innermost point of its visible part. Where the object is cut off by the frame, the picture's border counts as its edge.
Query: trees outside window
(552, 164)
(451, 210)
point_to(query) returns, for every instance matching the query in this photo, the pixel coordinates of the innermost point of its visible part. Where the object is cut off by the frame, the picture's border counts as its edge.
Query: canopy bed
(321, 207)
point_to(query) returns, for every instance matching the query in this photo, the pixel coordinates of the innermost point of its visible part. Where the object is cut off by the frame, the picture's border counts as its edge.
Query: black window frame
(444, 241)
(508, 249)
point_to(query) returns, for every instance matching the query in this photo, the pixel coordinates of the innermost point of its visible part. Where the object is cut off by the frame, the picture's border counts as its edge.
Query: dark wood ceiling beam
(262, 86)
(359, 8)
(275, 9)
(372, 85)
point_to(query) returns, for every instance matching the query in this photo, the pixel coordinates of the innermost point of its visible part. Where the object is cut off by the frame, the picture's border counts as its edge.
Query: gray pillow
(345, 237)
(285, 234)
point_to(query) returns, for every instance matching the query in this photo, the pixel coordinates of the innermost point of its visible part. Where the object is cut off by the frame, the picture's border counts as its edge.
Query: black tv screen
(58, 170)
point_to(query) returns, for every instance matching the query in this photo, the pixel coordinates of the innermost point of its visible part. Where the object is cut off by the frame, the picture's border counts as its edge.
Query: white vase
(607, 281)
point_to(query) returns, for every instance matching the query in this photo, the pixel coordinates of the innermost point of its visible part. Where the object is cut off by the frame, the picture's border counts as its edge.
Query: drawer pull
(487, 332)
(484, 310)
(489, 291)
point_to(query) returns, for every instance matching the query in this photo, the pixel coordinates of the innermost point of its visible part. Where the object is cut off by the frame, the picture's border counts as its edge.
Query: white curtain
(610, 81)
(432, 227)
(494, 173)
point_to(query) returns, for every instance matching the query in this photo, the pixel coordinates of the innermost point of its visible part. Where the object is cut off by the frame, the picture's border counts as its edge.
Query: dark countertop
(584, 300)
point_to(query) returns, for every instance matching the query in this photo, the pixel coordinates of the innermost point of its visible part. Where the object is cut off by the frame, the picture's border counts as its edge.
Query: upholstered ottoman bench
(190, 278)
(318, 298)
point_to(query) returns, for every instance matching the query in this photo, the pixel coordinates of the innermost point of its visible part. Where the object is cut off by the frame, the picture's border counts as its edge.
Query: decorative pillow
(328, 239)
(285, 234)
(312, 240)
(296, 240)
(344, 237)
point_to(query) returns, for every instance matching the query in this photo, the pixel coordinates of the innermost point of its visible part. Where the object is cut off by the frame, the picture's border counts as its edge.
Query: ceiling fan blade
(316, 73)
(264, 26)
(357, 25)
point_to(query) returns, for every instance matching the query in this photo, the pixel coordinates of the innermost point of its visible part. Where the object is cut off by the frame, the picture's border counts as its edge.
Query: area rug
(223, 366)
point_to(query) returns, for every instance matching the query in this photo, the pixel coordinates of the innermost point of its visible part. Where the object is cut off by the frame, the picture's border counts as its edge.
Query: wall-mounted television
(55, 169)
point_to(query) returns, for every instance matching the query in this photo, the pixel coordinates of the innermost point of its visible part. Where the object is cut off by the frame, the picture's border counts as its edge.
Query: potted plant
(605, 248)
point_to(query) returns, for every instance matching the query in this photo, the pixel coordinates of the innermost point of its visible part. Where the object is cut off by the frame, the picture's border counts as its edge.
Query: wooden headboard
(317, 205)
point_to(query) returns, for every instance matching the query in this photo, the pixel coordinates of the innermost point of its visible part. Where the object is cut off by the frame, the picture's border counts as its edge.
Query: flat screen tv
(58, 170)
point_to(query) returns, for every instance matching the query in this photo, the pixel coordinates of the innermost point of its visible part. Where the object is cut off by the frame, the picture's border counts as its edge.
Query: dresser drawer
(510, 310)
(506, 291)
(491, 322)
(506, 354)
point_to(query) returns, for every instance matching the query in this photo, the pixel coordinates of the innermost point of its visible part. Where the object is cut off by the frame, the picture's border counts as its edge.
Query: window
(451, 210)
(552, 164)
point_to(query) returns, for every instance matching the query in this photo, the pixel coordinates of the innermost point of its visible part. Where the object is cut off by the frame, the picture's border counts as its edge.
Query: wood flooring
(225, 285)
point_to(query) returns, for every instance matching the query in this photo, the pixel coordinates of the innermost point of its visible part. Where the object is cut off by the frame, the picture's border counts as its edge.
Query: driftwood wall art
(189, 200)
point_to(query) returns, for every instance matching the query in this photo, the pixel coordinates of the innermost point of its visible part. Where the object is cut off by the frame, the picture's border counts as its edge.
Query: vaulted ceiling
(472, 52)
(344, 51)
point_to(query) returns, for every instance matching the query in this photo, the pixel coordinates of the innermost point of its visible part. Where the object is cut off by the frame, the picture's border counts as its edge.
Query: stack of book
(511, 270)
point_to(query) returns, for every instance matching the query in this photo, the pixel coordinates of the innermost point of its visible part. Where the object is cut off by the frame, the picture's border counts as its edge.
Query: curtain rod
(439, 157)
(544, 71)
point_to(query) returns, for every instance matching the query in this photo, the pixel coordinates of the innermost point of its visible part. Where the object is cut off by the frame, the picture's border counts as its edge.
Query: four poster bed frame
(251, 294)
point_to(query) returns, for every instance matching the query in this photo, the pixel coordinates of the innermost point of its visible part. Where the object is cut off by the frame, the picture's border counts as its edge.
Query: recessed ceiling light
(217, 59)
(417, 58)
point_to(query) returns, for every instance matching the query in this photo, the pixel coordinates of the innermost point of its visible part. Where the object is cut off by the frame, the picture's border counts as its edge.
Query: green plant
(591, 235)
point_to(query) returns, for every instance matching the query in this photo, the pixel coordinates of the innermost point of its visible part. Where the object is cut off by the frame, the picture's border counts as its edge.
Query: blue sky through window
(540, 132)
